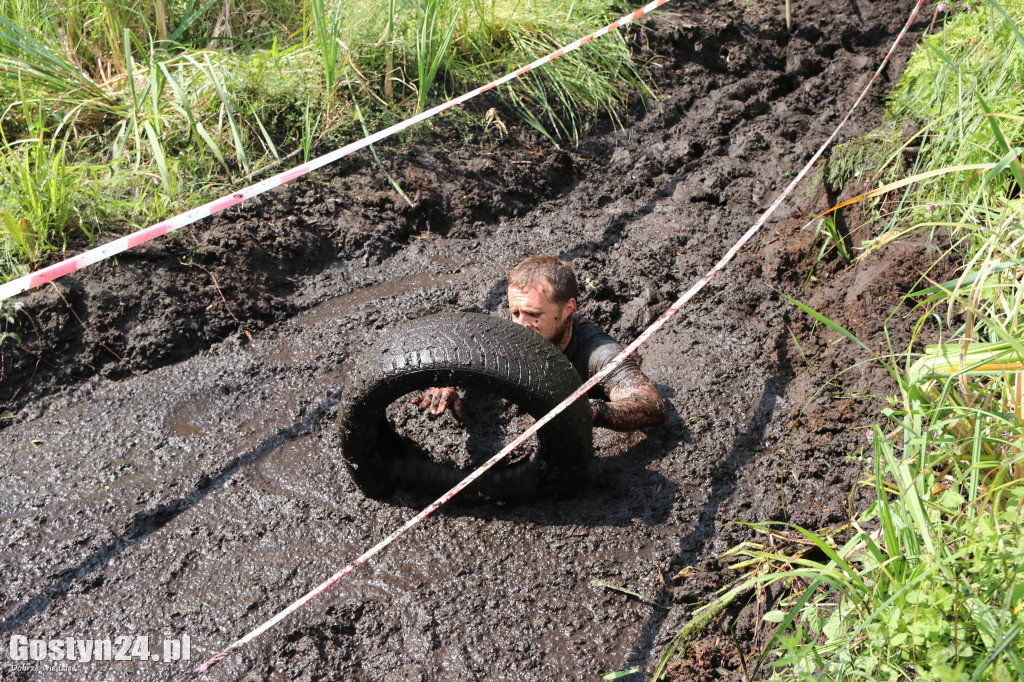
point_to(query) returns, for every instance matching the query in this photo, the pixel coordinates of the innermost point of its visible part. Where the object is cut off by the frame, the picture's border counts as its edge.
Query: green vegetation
(8, 322)
(115, 114)
(929, 584)
(832, 238)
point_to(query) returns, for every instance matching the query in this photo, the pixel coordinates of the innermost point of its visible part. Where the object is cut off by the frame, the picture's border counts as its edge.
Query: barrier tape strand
(578, 393)
(112, 248)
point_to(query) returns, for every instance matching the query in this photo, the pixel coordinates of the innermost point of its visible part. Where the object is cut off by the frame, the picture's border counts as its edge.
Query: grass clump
(929, 584)
(117, 114)
(953, 129)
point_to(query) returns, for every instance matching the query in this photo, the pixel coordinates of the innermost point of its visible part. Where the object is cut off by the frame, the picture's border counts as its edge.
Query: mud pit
(487, 424)
(194, 488)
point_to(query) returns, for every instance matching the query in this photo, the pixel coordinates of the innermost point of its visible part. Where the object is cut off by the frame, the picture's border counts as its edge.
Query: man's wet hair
(541, 269)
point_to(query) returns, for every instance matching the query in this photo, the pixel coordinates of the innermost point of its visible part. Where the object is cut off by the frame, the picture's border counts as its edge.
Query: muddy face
(533, 308)
(203, 495)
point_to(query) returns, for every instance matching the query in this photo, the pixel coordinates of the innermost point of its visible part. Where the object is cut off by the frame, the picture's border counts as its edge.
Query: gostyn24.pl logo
(22, 649)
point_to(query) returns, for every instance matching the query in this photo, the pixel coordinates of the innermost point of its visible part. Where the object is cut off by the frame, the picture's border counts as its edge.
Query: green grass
(116, 114)
(929, 584)
(959, 105)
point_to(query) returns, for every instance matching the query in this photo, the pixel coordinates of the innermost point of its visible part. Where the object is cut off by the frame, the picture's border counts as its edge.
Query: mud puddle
(202, 493)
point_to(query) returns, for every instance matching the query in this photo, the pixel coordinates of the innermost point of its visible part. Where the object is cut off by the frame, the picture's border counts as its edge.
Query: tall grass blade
(225, 101)
(967, 280)
(910, 492)
(885, 189)
(133, 114)
(213, 147)
(183, 98)
(20, 234)
(993, 654)
(432, 45)
(188, 17)
(158, 155)
(838, 328)
(1009, 159)
(373, 151)
(855, 577)
(43, 67)
(1009, 21)
(267, 140)
(997, 132)
(326, 28)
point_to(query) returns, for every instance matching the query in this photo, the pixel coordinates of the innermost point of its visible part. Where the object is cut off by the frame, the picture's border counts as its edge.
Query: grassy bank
(930, 583)
(115, 114)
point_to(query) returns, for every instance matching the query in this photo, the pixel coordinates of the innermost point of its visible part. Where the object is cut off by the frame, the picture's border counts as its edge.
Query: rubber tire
(475, 351)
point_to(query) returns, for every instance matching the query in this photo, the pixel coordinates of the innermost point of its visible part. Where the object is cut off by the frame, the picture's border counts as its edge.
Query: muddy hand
(437, 400)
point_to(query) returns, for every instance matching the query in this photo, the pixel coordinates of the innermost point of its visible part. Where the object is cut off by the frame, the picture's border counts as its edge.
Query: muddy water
(203, 494)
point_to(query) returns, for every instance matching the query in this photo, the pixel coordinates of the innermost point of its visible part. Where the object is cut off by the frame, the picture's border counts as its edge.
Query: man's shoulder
(588, 330)
(588, 339)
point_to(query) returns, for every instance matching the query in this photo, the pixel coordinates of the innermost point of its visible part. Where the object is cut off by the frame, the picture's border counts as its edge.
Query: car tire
(474, 351)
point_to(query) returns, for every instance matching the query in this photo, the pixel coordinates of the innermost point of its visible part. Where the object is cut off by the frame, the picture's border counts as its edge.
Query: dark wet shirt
(590, 350)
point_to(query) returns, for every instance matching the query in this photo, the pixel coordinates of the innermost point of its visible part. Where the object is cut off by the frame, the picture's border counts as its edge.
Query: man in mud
(542, 296)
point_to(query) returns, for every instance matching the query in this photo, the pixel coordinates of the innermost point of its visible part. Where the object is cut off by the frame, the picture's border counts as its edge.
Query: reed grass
(167, 103)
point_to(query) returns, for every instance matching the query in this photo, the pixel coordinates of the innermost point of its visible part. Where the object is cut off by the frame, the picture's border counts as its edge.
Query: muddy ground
(169, 444)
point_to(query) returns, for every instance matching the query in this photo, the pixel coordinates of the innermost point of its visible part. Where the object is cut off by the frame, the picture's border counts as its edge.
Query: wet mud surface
(190, 485)
(486, 423)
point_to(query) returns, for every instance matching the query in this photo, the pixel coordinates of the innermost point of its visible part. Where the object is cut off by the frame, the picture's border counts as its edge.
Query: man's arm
(634, 404)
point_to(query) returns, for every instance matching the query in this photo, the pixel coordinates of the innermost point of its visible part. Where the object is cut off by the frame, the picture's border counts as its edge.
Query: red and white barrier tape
(590, 383)
(32, 280)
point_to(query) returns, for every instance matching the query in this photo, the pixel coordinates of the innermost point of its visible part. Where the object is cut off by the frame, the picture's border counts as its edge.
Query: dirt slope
(193, 487)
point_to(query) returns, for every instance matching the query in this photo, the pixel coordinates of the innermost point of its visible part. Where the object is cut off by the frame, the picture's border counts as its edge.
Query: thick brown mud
(171, 455)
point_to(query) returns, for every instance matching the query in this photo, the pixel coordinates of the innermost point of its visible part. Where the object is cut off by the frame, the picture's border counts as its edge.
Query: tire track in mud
(489, 587)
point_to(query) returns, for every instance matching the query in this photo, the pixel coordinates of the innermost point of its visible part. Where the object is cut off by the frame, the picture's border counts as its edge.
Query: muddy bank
(194, 488)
